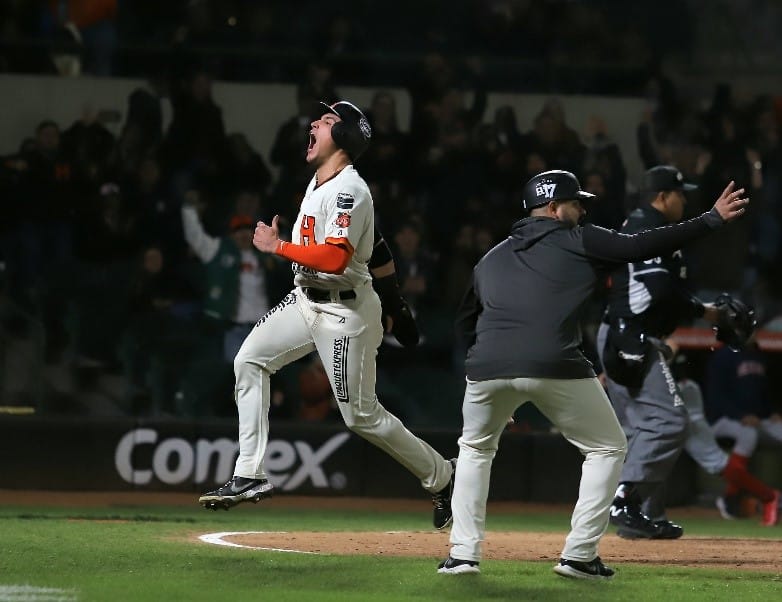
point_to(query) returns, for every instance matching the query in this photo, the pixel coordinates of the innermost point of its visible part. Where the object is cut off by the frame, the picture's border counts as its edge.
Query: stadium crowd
(132, 249)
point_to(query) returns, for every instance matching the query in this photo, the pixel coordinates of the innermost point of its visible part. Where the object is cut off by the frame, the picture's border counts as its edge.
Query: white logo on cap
(366, 130)
(545, 190)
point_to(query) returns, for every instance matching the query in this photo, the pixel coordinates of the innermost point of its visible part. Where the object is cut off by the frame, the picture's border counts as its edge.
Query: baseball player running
(333, 309)
(521, 317)
(702, 446)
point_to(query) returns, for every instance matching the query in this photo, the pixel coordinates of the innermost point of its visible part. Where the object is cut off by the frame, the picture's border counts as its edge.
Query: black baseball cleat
(632, 523)
(662, 529)
(577, 569)
(236, 491)
(454, 566)
(667, 530)
(443, 515)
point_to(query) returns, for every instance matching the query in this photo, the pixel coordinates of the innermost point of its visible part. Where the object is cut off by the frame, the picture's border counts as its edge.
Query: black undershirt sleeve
(381, 254)
(609, 245)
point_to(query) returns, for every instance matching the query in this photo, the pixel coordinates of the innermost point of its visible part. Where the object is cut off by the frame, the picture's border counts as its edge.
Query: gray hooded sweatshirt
(522, 311)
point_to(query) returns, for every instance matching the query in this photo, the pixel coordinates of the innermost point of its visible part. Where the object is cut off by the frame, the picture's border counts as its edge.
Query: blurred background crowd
(125, 235)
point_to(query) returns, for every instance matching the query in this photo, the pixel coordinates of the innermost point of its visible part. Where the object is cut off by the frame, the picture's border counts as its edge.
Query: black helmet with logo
(554, 185)
(353, 133)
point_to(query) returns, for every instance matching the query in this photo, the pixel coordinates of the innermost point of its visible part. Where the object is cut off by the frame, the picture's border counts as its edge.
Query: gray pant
(655, 419)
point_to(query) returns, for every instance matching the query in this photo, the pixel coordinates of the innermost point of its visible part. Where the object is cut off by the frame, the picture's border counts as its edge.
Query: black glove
(404, 328)
(736, 322)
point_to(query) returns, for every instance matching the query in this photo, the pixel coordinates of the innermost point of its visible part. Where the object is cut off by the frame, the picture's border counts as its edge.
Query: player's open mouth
(312, 141)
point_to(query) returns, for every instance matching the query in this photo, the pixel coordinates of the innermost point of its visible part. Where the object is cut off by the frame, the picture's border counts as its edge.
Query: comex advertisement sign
(175, 460)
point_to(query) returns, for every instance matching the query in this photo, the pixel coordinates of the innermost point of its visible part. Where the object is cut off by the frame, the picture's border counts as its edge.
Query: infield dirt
(690, 551)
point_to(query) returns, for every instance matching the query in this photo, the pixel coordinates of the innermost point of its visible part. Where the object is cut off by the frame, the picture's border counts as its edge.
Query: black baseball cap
(663, 178)
(553, 185)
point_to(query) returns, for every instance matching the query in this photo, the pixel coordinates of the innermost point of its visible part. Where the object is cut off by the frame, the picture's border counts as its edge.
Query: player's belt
(319, 295)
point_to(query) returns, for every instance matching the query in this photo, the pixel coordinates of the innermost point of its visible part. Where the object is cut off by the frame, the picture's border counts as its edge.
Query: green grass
(150, 558)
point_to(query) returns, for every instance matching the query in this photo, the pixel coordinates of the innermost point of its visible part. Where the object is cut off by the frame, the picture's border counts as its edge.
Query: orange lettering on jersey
(343, 220)
(307, 230)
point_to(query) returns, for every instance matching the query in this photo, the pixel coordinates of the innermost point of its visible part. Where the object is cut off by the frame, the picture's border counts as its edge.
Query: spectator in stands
(154, 337)
(48, 200)
(604, 157)
(142, 132)
(342, 42)
(414, 265)
(497, 156)
(767, 231)
(702, 446)
(318, 81)
(97, 23)
(605, 209)
(245, 169)
(194, 147)
(554, 140)
(202, 25)
(471, 242)
(461, 258)
(433, 76)
(106, 243)
(728, 252)
(235, 284)
(88, 23)
(236, 275)
(156, 213)
(89, 145)
(446, 147)
(662, 131)
(387, 161)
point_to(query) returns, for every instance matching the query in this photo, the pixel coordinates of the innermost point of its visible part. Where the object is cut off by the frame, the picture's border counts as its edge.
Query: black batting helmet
(353, 133)
(554, 185)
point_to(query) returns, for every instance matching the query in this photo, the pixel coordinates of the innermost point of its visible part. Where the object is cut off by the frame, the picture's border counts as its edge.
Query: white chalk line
(31, 593)
(217, 539)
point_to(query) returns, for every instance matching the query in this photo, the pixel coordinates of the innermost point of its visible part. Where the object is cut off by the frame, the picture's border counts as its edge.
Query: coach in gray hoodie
(521, 317)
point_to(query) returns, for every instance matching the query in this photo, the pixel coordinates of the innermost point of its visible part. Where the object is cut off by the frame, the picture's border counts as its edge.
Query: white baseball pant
(346, 334)
(581, 411)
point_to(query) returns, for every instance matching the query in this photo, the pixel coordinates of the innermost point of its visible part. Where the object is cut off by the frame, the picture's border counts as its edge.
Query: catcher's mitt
(736, 321)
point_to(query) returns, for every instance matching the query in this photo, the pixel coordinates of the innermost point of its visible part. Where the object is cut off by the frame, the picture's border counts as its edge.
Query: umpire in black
(647, 301)
(521, 317)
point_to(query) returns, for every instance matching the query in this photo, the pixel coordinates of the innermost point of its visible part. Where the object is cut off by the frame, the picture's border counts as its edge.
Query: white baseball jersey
(339, 210)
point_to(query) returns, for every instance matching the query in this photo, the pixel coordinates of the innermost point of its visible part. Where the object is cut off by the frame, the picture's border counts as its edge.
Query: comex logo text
(175, 460)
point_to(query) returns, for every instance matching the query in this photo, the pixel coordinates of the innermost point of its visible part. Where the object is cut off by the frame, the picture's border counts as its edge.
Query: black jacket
(522, 310)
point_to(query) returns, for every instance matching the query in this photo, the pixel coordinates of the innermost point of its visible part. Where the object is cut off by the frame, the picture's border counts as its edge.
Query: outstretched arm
(204, 246)
(613, 246)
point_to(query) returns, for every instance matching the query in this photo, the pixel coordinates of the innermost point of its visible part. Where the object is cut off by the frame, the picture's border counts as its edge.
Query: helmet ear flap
(340, 135)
